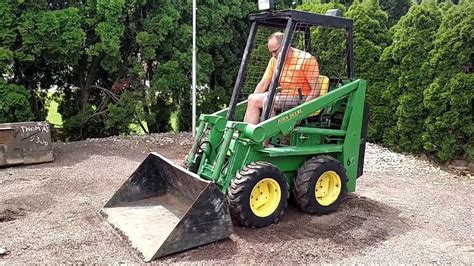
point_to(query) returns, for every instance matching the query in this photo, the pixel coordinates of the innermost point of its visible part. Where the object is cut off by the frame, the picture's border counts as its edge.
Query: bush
(14, 104)
(449, 125)
(126, 111)
(370, 38)
(403, 90)
(449, 100)
(85, 124)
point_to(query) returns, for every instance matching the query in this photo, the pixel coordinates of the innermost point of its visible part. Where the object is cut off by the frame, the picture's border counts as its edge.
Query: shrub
(412, 40)
(14, 104)
(449, 100)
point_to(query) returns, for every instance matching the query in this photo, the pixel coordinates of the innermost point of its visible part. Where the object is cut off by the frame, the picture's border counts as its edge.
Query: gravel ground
(405, 210)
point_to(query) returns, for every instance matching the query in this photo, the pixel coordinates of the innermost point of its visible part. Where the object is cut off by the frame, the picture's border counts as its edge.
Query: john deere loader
(244, 173)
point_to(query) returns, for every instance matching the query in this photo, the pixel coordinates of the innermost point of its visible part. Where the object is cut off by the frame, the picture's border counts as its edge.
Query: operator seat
(324, 87)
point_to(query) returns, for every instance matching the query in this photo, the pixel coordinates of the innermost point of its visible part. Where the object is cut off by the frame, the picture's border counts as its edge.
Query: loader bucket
(163, 208)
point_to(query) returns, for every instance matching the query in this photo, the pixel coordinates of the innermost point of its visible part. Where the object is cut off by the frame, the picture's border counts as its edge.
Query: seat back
(323, 83)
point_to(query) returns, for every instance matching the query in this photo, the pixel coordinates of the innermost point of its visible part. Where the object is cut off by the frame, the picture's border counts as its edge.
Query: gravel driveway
(405, 210)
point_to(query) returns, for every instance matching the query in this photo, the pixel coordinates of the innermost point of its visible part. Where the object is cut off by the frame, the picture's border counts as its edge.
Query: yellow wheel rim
(265, 197)
(328, 188)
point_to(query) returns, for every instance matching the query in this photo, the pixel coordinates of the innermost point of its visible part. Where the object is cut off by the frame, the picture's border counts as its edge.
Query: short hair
(278, 36)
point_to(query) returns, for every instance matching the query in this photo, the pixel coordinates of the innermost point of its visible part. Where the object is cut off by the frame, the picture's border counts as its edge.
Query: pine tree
(413, 39)
(395, 10)
(329, 45)
(370, 38)
(449, 100)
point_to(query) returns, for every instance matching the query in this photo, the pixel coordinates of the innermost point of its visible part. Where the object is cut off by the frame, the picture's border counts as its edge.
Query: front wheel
(258, 195)
(320, 185)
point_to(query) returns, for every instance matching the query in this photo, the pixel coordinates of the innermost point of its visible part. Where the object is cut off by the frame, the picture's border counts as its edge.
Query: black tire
(304, 184)
(241, 188)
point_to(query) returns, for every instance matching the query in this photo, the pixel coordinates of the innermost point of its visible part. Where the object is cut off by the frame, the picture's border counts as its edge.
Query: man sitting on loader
(298, 82)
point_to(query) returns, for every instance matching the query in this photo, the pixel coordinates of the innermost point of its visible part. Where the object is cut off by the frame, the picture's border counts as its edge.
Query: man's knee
(255, 100)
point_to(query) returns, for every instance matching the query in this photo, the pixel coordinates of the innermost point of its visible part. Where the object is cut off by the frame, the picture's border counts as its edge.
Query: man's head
(274, 43)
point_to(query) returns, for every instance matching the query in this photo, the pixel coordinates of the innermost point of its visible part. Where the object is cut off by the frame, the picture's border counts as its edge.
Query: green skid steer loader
(314, 150)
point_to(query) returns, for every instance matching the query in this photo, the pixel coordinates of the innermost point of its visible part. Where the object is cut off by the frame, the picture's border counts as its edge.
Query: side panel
(351, 146)
(363, 139)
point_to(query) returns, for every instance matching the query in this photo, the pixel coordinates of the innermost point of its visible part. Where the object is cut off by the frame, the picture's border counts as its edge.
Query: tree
(413, 39)
(329, 44)
(220, 46)
(14, 105)
(449, 100)
(93, 52)
(370, 38)
(395, 10)
(7, 36)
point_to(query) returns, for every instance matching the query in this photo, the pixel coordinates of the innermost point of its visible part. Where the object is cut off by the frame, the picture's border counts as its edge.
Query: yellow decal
(288, 117)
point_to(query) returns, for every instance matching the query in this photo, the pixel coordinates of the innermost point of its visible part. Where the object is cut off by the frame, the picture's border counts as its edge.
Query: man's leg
(254, 108)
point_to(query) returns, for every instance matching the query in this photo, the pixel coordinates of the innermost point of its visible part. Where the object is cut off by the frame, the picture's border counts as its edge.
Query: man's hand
(315, 89)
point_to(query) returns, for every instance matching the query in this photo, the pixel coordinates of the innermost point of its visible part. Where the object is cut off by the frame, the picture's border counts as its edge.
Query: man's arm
(315, 89)
(262, 86)
(311, 70)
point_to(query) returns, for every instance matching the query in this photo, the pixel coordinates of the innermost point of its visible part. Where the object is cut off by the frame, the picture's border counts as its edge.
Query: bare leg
(254, 108)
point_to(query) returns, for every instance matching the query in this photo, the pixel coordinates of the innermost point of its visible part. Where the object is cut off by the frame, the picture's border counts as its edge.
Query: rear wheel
(258, 195)
(320, 185)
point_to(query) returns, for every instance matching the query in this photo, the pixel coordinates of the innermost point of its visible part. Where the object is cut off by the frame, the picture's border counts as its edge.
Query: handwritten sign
(37, 128)
(25, 142)
(36, 133)
(38, 140)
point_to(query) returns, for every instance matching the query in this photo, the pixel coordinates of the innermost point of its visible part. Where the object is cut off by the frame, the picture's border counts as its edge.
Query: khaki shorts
(284, 102)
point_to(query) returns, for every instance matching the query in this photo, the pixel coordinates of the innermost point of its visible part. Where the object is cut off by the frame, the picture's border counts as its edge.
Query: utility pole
(194, 70)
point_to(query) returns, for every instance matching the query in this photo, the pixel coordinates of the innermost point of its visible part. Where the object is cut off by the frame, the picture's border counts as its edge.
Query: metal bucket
(25, 143)
(163, 209)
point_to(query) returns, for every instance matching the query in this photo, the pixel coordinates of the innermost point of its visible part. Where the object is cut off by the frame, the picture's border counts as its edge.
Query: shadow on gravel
(359, 223)
(17, 207)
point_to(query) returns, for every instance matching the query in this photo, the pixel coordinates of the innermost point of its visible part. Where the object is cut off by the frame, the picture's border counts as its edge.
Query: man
(298, 80)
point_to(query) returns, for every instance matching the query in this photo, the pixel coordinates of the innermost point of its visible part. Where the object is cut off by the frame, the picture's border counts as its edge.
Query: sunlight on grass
(137, 129)
(174, 121)
(54, 117)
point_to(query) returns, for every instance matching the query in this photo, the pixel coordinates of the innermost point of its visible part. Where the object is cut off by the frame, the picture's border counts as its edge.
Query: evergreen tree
(395, 9)
(329, 45)
(94, 51)
(14, 106)
(370, 38)
(413, 39)
(449, 100)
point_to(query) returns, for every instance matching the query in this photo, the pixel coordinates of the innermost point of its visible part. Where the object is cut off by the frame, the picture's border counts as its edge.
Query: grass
(174, 121)
(54, 117)
(137, 129)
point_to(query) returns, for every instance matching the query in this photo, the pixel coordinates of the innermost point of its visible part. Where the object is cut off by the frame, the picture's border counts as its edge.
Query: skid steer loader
(314, 149)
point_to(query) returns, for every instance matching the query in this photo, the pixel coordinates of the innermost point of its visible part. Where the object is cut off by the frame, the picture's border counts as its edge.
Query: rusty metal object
(163, 209)
(25, 143)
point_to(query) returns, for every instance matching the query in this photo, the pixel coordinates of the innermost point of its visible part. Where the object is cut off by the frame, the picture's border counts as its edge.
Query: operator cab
(328, 37)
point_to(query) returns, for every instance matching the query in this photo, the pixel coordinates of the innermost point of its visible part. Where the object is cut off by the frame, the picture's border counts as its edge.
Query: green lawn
(174, 121)
(53, 116)
(137, 129)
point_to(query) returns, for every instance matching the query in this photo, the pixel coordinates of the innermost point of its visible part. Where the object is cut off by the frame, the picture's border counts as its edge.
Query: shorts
(284, 102)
